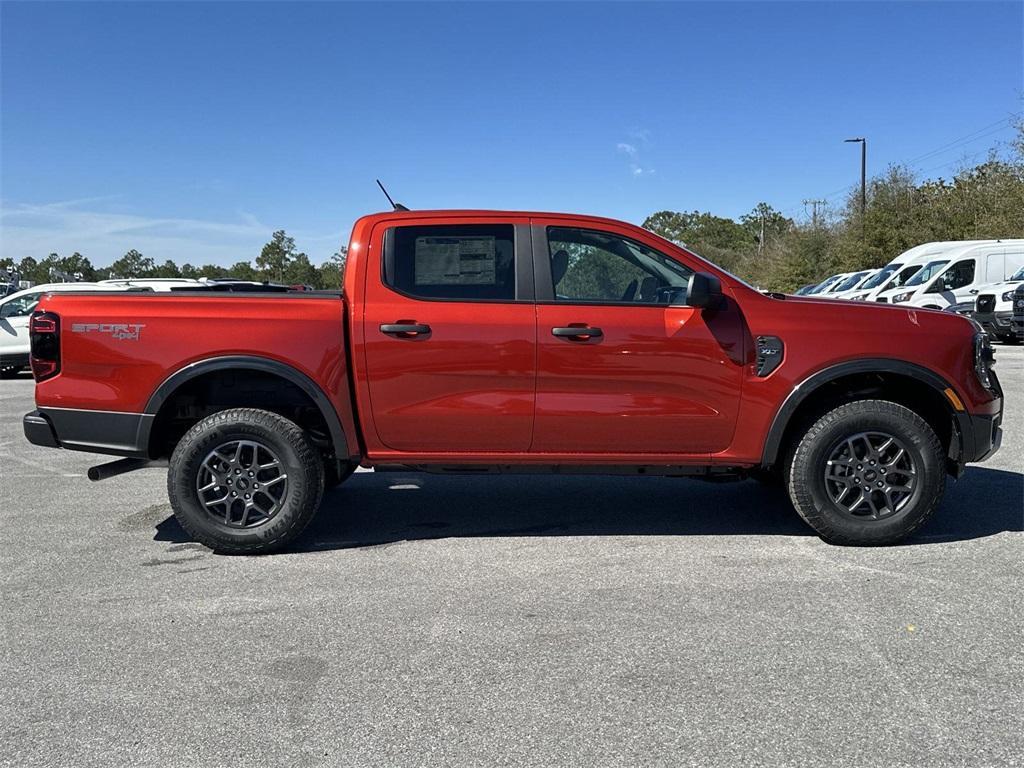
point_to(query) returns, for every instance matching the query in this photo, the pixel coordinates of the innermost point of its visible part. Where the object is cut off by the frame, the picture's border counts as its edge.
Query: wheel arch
(240, 364)
(846, 381)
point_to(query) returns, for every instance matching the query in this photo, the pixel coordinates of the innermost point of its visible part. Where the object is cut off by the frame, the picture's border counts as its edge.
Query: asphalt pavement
(495, 620)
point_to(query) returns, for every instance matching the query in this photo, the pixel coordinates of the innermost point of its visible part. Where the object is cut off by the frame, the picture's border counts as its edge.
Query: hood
(1006, 285)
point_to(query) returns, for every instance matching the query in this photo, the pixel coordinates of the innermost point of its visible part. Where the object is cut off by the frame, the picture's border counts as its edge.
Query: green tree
(300, 271)
(167, 269)
(211, 271)
(276, 255)
(243, 270)
(331, 271)
(29, 270)
(133, 265)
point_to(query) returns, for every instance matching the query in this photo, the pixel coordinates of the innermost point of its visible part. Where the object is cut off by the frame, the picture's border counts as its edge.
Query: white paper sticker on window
(455, 261)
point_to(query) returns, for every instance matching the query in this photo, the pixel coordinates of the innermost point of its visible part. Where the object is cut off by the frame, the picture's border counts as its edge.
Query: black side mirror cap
(704, 291)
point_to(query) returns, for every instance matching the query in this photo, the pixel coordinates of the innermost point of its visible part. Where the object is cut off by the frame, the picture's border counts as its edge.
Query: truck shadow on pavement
(377, 509)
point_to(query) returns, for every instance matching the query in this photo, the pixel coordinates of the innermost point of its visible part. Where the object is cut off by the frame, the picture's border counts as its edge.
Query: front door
(623, 367)
(450, 336)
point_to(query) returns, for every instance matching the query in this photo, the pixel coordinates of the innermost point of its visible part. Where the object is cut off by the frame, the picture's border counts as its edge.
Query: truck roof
(473, 213)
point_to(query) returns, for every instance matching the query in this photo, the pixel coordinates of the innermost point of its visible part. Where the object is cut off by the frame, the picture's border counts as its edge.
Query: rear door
(450, 336)
(623, 367)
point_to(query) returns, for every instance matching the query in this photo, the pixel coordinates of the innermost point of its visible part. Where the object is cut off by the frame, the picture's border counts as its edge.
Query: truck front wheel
(869, 472)
(245, 481)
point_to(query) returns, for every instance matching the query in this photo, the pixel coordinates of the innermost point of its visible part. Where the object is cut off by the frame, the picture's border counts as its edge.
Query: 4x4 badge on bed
(123, 331)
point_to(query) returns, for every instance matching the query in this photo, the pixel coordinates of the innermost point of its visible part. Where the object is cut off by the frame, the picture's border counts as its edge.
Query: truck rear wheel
(245, 481)
(867, 473)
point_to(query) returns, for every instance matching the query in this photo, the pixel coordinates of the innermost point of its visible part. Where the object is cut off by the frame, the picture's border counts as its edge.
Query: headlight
(1008, 296)
(984, 359)
(902, 297)
(858, 298)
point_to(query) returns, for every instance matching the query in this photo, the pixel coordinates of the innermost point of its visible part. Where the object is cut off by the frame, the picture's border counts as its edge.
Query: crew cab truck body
(517, 342)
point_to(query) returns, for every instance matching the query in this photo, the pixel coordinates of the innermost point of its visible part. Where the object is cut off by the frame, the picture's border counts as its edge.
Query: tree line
(279, 261)
(765, 247)
(773, 251)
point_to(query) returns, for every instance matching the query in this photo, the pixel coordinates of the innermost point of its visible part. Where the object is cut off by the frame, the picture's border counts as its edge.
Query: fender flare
(250, 362)
(803, 390)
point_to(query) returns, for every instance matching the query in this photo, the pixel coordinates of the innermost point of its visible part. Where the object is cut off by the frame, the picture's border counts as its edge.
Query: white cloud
(639, 134)
(103, 236)
(642, 137)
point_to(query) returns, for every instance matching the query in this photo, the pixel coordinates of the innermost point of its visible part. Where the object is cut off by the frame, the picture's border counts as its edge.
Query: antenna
(394, 205)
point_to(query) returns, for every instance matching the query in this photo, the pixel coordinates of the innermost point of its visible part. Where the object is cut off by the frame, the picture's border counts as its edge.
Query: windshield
(851, 281)
(823, 284)
(881, 277)
(927, 272)
(1018, 275)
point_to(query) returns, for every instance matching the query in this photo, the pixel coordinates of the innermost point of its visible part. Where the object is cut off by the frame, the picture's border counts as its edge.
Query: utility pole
(814, 208)
(863, 177)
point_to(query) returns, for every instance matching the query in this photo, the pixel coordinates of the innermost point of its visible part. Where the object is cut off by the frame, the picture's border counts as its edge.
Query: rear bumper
(117, 434)
(19, 359)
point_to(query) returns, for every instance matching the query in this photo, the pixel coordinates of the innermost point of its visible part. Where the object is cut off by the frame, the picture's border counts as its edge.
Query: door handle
(578, 333)
(405, 330)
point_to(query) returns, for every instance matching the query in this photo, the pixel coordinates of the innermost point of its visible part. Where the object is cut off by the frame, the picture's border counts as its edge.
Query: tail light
(44, 336)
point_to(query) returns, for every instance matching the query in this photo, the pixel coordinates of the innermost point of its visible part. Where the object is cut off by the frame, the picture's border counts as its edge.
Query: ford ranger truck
(469, 341)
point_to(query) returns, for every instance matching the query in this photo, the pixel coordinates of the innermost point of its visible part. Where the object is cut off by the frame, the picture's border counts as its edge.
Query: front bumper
(117, 434)
(981, 434)
(995, 323)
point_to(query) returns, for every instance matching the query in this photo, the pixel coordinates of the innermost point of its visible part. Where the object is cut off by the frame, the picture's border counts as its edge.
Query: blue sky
(192, 130)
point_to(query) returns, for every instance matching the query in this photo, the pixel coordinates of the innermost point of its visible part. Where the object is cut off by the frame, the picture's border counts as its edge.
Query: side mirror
(704, 291)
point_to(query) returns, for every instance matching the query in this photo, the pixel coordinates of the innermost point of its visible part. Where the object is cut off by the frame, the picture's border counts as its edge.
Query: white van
(897, 272)
(828, 285)
(957, 274)
(15, 311)
(847, 287)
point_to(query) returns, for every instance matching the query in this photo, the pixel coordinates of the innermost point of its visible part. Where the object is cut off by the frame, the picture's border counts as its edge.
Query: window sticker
(455, 261)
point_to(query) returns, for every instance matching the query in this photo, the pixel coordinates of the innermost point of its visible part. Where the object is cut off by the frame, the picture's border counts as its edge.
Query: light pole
(863, 174)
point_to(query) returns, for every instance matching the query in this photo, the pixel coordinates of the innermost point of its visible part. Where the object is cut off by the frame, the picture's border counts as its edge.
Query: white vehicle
(994, 308)
(15, 311)
(957, 274)
(846, 287)
(826, 285)
(897, 272)
(152, 283)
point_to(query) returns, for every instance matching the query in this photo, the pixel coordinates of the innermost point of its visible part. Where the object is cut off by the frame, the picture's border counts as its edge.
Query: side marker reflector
(951, 396)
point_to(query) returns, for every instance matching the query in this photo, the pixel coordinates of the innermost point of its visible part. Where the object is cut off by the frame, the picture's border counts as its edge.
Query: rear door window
(467, 262)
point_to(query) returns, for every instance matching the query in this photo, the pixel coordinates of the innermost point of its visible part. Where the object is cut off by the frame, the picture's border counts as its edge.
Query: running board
(696, 472)
(120, 467)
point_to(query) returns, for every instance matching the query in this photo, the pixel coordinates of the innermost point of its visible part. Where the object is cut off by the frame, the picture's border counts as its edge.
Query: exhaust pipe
(119, 467)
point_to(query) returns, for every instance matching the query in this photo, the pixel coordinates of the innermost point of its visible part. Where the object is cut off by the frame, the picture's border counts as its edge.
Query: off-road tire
(337, 472)
(805, 479)
(297, 455)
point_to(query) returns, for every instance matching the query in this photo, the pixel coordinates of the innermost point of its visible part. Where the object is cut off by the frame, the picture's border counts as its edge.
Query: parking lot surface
(507, 621)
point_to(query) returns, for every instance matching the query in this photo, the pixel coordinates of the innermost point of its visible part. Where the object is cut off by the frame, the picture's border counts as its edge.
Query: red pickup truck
(470, 341)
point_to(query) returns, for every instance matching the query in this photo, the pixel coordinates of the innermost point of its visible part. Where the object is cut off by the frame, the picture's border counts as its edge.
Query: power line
(967, 139)
(980, 133)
